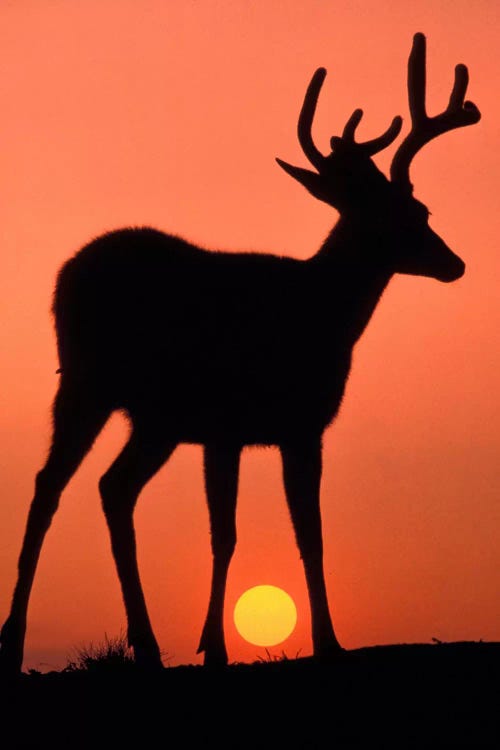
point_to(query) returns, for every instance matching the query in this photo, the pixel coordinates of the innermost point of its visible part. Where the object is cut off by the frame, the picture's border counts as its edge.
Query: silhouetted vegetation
(110, 655)
(282, 656)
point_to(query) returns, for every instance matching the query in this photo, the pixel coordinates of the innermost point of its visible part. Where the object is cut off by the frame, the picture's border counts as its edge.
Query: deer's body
(228, 350)
(246, 347)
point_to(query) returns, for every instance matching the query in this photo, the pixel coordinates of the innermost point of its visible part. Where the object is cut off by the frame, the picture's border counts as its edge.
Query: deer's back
(233, 341)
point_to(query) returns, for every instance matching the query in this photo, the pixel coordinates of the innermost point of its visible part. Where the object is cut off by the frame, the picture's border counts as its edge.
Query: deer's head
(348, 179)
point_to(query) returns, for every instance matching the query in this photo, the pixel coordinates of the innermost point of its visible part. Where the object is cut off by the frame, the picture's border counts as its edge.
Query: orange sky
(170, 113)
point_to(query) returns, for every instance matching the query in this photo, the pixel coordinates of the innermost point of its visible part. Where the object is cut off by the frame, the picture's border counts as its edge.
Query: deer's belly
(247, 412)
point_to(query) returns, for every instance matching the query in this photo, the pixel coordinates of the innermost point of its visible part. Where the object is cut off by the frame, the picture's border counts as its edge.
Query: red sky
(119, 113)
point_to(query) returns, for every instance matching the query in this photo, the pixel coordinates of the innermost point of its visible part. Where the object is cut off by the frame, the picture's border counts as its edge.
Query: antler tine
(459, 88)
(306, 118)
(378, 144)
(416, 80)
(458, 113)
(375, 144)
(351, 125)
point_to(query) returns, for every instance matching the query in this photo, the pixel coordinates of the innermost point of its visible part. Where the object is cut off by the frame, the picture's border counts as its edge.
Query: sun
(265, 615)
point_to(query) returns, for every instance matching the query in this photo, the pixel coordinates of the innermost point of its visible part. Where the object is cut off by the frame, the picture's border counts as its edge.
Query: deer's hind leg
(221, 482)
(140, 459)
(78, 419)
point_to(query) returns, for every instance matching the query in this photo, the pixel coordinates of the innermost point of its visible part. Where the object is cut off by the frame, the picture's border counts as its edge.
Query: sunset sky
(170, 113)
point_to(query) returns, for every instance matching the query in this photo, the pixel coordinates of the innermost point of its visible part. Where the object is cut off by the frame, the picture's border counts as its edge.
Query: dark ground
(407, 696)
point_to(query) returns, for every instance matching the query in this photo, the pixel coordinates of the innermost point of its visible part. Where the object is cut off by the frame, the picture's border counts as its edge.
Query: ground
(402, 696)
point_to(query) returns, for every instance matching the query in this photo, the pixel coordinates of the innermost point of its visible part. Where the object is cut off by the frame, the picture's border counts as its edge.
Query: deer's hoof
(10, 662)
(329, 653)
(148, 658)
(215, 660)
(11, 649)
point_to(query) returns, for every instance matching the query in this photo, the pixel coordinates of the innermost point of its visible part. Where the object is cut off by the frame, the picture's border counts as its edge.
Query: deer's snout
(454, 269)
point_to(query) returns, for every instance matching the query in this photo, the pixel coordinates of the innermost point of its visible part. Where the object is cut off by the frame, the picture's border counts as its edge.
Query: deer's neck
(352, 256)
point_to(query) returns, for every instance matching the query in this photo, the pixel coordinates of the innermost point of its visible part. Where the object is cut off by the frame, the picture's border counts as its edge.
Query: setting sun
(265, 615)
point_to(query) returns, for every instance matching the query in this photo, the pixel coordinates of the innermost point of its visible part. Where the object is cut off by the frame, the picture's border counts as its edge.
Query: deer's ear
(312, 181)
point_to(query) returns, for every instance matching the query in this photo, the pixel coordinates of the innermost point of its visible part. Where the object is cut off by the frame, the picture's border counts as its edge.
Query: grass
(111, 655)
(269, 657)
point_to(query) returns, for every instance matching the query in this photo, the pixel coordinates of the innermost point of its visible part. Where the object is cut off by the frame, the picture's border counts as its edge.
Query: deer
(232, 349)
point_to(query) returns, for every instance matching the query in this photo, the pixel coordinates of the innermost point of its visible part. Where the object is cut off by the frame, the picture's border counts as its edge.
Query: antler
(458, 113)
(306, 118)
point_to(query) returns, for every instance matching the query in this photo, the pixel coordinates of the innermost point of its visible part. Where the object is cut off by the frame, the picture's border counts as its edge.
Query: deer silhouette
(228, 350)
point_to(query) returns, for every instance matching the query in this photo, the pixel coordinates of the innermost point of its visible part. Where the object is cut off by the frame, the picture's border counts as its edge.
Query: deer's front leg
(302, 476)
(221, 482)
